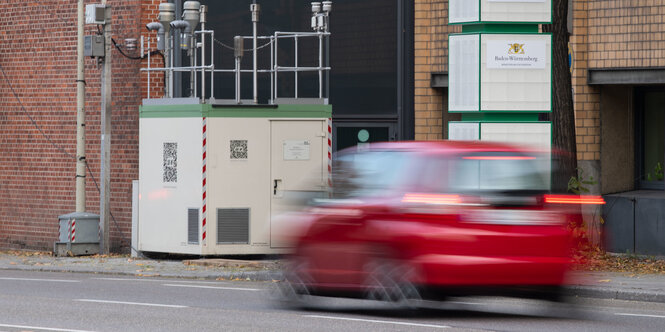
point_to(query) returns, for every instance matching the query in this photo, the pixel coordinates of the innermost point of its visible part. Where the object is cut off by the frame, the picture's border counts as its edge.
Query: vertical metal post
(255, 20)
(176, 56)
(272, 71)
(193, 73)
(203, 10)
(276, 62)
(170, 71)
(105, 128)
(212, 63)
(295, 72)
(148, 65)
(320, 65)
(167, 62)
(237, 80)
(80, 111)
(203, 63)
(238, 50)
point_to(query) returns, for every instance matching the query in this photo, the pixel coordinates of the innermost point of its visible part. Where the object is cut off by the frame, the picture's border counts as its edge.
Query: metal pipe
(148, 65)
(80, 111)
(193, 73)
(237, 80)
(212, 64)
(255, 8)
(295, 73)
(168, 55)
(170, 72)
(320, 66)
(276, 65)
(272, 72)
(203, 10)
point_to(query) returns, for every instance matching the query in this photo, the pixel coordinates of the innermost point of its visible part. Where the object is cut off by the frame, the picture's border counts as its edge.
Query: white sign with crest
(516, 54)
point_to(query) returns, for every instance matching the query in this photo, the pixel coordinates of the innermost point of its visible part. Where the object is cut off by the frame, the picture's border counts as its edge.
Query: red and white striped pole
(329, 157)
(204, 212)
(72, 230)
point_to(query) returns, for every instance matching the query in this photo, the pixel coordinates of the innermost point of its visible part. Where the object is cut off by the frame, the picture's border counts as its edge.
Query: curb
(617, 294)
(232, 276)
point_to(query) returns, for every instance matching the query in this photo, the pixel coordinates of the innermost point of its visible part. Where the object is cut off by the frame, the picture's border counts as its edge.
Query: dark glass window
(651, 137)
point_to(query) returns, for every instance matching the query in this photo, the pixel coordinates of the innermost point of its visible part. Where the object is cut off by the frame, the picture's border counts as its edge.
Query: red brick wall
(38, 56)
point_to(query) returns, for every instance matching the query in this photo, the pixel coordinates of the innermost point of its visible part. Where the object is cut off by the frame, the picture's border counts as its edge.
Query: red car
(428, 220)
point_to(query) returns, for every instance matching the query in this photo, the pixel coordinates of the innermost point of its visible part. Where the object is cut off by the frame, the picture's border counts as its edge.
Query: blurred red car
(428, 220)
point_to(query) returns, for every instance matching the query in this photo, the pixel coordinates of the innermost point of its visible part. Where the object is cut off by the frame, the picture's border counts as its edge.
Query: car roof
(446, 146)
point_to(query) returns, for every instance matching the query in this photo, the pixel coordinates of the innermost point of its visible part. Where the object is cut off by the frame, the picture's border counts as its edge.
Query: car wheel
(292, 287)
(391, 281)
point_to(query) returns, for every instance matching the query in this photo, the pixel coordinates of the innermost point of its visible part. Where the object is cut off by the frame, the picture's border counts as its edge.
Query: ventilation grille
(232, 225)
(193, 225)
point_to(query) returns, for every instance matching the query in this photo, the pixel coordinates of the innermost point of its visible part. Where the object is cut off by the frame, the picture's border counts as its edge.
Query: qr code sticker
(238, 149)
(170, 162)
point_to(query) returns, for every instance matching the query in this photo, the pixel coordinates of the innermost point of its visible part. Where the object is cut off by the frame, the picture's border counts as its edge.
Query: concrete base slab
(233, 263)
(75, 248)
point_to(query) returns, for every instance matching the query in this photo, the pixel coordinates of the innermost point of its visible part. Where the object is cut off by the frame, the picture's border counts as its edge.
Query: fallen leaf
(604, 280)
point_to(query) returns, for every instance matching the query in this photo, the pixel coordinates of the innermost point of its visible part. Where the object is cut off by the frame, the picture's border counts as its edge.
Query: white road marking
(380, 321)
(167, 280)
(40, 328)
(213, 287)
(466, 303)
(638, 315)
(28, 279)
(134, 303)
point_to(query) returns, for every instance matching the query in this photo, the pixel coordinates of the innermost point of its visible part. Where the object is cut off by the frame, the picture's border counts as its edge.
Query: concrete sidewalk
(606, 285)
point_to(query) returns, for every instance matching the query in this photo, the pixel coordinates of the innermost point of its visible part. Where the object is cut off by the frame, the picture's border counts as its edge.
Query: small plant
(578, 184)
(658, 173)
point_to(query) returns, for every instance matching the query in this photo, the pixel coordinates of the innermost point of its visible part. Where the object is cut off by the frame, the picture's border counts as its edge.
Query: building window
(650, 140)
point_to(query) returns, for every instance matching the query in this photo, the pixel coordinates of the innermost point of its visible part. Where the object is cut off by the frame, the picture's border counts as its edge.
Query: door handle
(275, 186)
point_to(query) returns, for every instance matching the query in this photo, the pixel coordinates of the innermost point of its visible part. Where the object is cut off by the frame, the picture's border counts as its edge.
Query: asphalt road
(44, 301)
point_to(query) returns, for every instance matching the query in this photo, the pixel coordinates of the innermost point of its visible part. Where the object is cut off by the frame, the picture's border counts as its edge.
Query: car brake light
(438, 199)
(499, 157)
(570, 199)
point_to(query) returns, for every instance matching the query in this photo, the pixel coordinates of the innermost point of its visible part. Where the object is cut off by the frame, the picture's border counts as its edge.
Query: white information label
(517, 54)
(296, 150)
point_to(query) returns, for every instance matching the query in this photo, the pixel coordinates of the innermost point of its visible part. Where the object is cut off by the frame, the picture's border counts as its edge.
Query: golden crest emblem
(516, 48)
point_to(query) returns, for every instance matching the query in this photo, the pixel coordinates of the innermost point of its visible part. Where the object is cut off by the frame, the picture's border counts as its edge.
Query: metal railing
(209, 69)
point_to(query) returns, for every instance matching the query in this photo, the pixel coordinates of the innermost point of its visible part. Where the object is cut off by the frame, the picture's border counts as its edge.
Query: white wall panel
(463, 131)
(163, 205)
(463, 11)
(526, 88)
(463, 72)
(515, 10)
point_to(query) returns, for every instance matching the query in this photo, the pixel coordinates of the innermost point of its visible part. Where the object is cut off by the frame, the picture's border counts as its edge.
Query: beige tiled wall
(431, 55)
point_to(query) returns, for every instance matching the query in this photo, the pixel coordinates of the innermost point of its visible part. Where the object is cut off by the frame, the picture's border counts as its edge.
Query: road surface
(44, 301)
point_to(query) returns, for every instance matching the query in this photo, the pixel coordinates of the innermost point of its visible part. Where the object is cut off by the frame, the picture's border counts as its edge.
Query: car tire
(390, 281)
(292, 287)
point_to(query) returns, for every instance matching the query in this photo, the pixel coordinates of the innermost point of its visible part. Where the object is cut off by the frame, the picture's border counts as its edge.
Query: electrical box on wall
(95, 14)
(93, 46)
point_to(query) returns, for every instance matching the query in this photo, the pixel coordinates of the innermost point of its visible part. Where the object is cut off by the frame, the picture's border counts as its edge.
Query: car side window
(434, 174)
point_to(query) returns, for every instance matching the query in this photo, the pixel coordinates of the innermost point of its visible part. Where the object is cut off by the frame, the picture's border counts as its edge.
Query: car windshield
(499, 171)
(368, 173)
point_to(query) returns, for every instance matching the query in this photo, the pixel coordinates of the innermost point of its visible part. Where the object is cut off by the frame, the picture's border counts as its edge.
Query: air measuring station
(213, 173)
(500, 71)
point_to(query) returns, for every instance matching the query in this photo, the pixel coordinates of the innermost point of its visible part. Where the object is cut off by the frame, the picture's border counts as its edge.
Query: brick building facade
(38, 119)
(618, 55)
